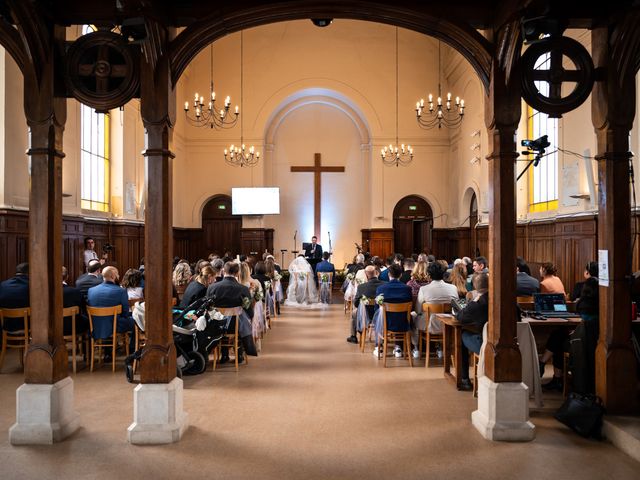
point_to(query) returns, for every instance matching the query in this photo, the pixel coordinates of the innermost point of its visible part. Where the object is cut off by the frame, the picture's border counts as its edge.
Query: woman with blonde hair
(419, 278)
(459, 279)
(197, 288)
(181, 277)
(244, 278)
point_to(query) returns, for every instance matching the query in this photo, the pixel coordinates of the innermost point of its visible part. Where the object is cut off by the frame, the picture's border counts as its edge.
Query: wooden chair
(524, 299)
(232, 339)
(18, 339)
(391, 335)
(428, 309)
(106, 342)
(476, 360)
(140, 338)
(329, 281)
(74, 340)
(366, 333)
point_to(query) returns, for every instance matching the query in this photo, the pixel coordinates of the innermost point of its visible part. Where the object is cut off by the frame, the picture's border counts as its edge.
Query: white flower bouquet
(380, 299)
(365, 300)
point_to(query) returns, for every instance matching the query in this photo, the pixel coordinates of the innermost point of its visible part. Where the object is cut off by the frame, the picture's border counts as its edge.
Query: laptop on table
(551, 305)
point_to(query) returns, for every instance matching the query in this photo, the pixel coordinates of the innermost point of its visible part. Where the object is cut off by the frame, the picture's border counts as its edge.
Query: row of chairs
(76, 342)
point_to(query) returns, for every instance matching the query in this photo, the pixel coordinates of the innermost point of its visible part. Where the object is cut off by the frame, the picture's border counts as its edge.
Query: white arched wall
(318, 121)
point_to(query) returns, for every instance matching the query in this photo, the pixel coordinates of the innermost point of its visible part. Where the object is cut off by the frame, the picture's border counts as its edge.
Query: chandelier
(392, 155)
(209, 115)
(241, 156)
(438, 115)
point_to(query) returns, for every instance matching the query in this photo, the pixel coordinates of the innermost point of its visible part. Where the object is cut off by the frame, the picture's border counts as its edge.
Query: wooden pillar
(502, 115)
(158, 364)
(46, 357)
(613, 111)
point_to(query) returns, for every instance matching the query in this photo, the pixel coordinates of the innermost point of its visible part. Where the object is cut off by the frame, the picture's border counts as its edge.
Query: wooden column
(46, 358)
(502, 114)
(158, 364)
(613, 111)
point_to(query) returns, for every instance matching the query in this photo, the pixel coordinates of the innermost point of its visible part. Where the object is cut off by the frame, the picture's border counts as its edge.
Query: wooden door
(412, 225)
(221, 230)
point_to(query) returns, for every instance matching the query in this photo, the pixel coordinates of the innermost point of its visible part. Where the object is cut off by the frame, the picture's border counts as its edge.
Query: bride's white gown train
(302, 291)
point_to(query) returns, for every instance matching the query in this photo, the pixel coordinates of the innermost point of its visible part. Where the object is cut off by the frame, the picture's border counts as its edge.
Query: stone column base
(44, 413)
(157, 414)
(503, 411)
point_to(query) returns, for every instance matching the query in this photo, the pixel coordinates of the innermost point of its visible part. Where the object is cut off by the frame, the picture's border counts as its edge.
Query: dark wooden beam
(613, 111)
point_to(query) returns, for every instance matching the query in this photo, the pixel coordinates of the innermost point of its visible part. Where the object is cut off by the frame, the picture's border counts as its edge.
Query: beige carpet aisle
(311, 406)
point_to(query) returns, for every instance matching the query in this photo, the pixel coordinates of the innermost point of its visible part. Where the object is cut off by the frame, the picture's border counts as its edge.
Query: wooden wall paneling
(380, 241)
(181, 243)
(482, 241)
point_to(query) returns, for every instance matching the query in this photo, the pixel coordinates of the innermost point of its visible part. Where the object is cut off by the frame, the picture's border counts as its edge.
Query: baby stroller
(195, 334)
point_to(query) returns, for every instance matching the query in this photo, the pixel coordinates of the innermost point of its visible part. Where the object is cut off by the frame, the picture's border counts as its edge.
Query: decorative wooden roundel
(102, 71)
(544, 73)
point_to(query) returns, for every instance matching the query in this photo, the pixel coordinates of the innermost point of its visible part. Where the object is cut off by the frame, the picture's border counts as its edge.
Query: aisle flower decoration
(277, 276)
(267, 285)
(350, 276)
(246, 302)
(258, 296)
(380, 299)
(365, 300)
(324, 278)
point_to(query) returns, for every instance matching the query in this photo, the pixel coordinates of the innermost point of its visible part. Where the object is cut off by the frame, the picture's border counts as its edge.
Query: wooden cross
(317, 171)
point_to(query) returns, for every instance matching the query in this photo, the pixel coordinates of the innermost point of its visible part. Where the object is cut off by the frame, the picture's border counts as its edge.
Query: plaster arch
(201, 202)
(476, 49)
(436, 208)
(471, 188)
(315, 96)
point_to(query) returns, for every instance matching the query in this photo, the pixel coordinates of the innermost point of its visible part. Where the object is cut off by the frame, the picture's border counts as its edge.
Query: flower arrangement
(350, 276)
(258, 296)
(301, 276)
(324, 278)
(380, 299)
(246, 302)
(277, 277)
(359, 281)
(365, 300)
(267, 285)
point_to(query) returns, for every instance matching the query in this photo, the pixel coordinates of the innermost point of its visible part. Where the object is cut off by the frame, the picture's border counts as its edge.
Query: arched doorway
(473, 221)
(221, 229)
(412, 226)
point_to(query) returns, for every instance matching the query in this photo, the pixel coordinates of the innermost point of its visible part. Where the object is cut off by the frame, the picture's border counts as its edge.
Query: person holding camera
(90, 253)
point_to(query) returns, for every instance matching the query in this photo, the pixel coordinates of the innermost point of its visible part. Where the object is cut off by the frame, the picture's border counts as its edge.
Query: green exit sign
(222, 207)
(413, 207)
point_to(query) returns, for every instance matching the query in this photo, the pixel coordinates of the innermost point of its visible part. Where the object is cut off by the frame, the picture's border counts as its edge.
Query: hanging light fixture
(241, 156)
(438, 115)
(392, 155)
(208, 115)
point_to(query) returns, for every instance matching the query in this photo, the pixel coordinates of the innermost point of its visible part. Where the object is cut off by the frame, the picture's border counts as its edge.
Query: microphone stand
(330, 247)
(295, 250)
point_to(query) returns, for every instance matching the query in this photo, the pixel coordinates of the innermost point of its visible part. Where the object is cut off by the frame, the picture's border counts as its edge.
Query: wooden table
(452, 340)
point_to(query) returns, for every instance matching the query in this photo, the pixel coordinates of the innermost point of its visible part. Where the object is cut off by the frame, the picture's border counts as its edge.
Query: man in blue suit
(394, 291)
(14, 293)
(108, 294)
(325, 266)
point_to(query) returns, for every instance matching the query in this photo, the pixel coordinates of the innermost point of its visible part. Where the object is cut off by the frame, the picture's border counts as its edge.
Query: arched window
(94, 155)
(543, 179)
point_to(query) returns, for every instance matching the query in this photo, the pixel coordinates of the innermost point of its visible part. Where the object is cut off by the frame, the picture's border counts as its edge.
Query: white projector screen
(255, 201)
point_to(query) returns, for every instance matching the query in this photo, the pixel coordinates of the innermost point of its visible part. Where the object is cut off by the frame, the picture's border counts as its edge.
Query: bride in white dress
(302, 291)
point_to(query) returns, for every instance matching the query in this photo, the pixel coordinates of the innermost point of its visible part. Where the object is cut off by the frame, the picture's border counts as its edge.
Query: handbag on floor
(582, 414)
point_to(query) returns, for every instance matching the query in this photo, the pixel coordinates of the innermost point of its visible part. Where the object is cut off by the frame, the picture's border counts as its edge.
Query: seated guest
(218, 266)
(419, 278)
(181, 277)
(72, 297)
(358, 264)
(367, 289)
(526, 285)
(408, 265)
(132, 283)
(438, 291)
(271, 271)
(394, 291)
(558, 343)
(550, 282)
(480, 265)
(590, 271)
(276, 267)
(325, 266)
(229, 293)
(260, 274)
(459, 279)
(244, 278)
(474, 316)
(90, 279)
(197, 288)
(108, 294)
(14, 293)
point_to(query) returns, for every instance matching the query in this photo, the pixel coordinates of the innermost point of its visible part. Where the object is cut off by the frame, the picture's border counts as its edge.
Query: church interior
(106, 133)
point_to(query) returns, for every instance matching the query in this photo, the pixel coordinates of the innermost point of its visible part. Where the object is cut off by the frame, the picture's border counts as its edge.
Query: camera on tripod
(107, 247)
(538, 145)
